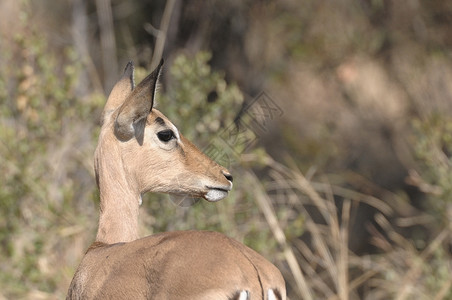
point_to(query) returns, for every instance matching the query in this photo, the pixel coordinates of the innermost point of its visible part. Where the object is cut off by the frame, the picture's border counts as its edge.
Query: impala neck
(119, 200)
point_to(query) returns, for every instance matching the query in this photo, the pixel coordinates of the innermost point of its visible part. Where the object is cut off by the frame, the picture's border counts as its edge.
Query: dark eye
(165, 135)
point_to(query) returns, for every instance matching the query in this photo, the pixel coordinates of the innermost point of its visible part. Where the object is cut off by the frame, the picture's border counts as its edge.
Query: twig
(415, 270)
(266, 207)
(161, 33)
(443, 291)
(108, 42)
(343, 287)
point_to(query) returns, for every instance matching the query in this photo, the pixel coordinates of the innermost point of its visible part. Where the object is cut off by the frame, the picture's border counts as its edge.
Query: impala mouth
(216, 193)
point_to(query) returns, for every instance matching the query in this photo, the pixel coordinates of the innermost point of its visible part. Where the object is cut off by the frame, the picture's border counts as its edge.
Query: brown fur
(130, 160)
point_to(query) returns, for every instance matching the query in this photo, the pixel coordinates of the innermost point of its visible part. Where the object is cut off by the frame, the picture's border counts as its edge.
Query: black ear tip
(157, 69)
(129, 67)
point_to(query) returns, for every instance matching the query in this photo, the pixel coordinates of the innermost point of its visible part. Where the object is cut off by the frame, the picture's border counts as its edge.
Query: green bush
(38, 107)
(433, 149)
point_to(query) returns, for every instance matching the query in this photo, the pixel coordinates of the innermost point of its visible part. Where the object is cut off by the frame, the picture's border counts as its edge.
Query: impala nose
(228, 176)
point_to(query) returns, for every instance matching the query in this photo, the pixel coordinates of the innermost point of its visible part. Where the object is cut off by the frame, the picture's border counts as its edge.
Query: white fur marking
(176, 132)
(271, 295)
(216, 195)
(244, 295)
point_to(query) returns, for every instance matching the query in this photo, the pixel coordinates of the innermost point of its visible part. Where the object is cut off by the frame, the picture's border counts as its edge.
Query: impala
(140, 150)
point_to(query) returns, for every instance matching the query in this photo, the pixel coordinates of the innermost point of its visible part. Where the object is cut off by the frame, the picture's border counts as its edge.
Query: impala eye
(165, 135)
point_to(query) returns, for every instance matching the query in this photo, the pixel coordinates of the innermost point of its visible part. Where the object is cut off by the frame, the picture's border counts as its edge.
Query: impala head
(142, 150)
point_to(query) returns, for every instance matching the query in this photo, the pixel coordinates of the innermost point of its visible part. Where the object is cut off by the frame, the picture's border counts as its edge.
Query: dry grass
(323, 267)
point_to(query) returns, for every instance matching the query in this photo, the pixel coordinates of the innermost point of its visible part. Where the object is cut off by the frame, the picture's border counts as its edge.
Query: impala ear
(120, 91)
(137, 106)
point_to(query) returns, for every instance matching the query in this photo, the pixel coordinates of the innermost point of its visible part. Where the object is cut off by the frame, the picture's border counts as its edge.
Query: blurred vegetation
(356, 172)
(38, 108)
(433, 146)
